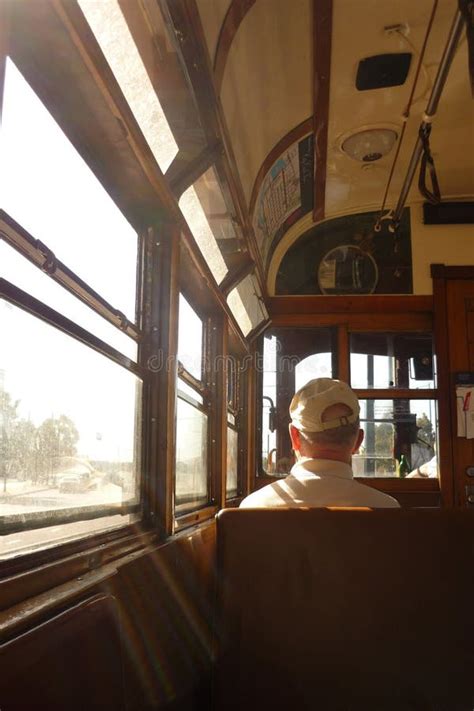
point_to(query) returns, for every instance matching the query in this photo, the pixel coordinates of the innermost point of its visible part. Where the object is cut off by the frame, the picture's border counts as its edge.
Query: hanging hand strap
(427, 163)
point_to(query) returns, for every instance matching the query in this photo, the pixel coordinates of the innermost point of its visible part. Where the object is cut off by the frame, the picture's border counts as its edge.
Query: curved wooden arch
(288, 139)
(232, 21)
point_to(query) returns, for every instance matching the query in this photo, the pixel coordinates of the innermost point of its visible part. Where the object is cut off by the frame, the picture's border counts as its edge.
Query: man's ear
(358, 442)
(295, 438)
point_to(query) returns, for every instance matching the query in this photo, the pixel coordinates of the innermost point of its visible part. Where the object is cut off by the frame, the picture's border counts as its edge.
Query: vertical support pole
(370, 424)
(217, 382)
(251, 365)
(443, 367)
(158, 358)
(343, 358)
(243, 439)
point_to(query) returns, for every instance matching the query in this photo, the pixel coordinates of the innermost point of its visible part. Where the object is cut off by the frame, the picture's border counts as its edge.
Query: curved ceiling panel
(212, 14)
(235, 15)
(267, 83)
(360, 30)
(269, 65)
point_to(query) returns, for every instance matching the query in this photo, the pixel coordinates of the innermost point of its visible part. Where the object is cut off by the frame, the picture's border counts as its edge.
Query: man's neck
(327, 453)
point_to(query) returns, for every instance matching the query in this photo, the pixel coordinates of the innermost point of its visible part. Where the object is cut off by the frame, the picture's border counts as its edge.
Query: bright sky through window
(190, 330)
(110, 28)
(51, 374)
(47, 187)
(28, 277)
(49, 190)
(197, 221)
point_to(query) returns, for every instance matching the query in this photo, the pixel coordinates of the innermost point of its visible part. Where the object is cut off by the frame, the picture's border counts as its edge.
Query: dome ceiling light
(370, 145)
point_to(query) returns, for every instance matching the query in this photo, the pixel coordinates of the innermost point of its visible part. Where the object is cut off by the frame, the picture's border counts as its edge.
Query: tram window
(28, 277)
(392, 428)
(111, 31)
(318, 365)
(187, 391)
(69, 436)
(245, 302)
(268, 401)
(232, 462)
(291, 357)
(190, 339)
(191, 487)
(192, 416)
(392, 360)
(235, 431)
(206, 213)
(49, 190)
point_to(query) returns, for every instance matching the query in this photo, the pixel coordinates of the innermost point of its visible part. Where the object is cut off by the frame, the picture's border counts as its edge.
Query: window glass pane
(206, 213)
(190, 334)
(245, 302)
(111, 30)
(29, 541)
(232, 462)
(191, 457)
(291, 357)
(27, 276)
(186, 389)
(51, 192)
(69, 423)
(268, 404)
(392, 360)
(394, 428)
(318, 365)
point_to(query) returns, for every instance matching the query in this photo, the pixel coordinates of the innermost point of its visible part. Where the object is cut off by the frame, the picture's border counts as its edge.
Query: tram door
(454, 294)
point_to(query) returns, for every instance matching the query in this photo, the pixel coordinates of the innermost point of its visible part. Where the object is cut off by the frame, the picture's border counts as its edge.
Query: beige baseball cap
(311, 401)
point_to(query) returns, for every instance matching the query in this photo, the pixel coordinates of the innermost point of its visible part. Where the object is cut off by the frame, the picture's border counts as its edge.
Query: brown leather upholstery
(73, 661)
(355, 609)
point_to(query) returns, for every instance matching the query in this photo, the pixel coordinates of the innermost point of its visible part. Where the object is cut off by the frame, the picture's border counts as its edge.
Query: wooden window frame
(237, 407)
(105, 133)
(380, 314)
(138, 198)
(203, 387)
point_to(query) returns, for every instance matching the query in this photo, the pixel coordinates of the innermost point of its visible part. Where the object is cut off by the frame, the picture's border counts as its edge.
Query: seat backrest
(72, 661)
(330, 609)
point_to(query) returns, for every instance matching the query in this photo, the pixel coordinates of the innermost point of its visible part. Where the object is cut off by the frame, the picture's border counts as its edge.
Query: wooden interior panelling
(343, 353)
(373, 304)
(363, 322)
(166, 601)
(459, 294)
(142, 638)
(365, 610)
(72, 661)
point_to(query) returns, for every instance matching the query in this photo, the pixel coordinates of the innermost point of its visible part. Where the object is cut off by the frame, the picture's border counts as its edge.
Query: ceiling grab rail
(425, 126)
(405, 116)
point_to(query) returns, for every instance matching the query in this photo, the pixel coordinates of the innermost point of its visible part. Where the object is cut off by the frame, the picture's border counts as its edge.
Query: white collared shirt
(316, 483)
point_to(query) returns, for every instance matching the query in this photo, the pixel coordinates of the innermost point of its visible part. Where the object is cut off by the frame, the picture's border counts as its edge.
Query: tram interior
(204, 204)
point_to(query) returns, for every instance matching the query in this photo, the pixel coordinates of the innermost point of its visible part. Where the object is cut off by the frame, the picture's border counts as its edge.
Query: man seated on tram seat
(325, 433)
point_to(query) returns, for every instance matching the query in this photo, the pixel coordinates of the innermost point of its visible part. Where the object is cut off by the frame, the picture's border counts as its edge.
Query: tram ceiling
(286, 73)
